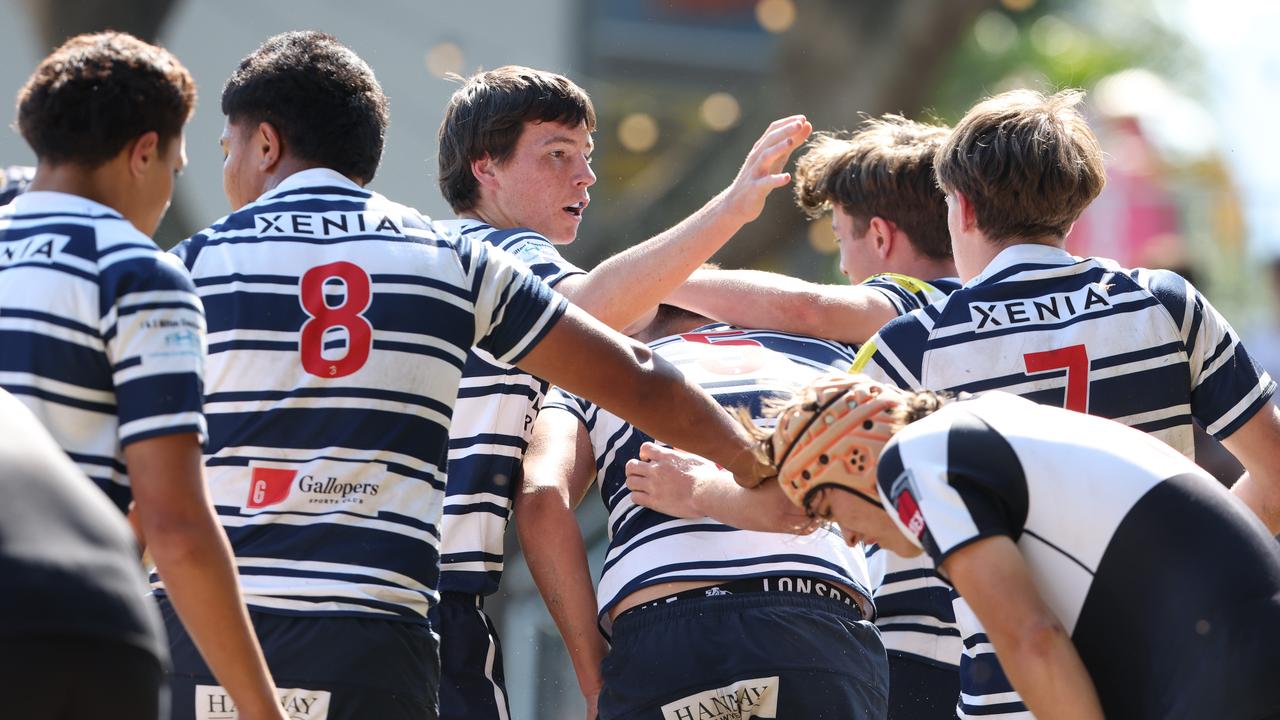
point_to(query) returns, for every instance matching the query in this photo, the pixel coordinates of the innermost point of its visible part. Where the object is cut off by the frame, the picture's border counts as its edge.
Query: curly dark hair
(487, 114)
(97, 92)
(319, 95)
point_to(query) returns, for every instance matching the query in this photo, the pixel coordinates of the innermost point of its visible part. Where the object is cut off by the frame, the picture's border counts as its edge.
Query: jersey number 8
(326, 320)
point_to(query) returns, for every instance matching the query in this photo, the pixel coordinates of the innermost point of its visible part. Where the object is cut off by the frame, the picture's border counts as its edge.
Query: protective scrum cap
(833, 435)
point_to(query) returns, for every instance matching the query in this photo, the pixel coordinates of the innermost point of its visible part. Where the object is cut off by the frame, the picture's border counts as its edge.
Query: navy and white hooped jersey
(1165, 582)
(1141, 347)
(491, 423)
(101, 333)
(339, 323)
(739, 368)
(908, 293)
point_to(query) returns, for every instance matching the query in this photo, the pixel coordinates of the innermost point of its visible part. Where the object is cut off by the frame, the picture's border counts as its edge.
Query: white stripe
(14, 379)
(328, 567)
(1231, 415)
(48, 329)
(490, 657)
(161, 422)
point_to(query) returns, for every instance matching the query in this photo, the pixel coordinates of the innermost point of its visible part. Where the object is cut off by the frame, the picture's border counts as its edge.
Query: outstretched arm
(680, 484)
(754, 298)
(558, 469)
(1033, 646)
(193, 559)
(626, 378)
(610, 292)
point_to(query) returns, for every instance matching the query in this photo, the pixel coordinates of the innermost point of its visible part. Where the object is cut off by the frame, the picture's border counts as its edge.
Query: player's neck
(923, 267)
(100, 184)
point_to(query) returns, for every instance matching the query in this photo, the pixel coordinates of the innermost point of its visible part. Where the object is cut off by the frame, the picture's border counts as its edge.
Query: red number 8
(346, 316)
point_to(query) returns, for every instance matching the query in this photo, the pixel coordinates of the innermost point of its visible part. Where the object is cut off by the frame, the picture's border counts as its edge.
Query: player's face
(858, 260)
(157, 184)
(860, 521)
(241, 179)
(543, 185)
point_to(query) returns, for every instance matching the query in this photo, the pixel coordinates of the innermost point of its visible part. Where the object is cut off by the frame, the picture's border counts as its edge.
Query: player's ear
(142, 152)
(968, 217)
(882, 236)
(485, 170)
(270, 146)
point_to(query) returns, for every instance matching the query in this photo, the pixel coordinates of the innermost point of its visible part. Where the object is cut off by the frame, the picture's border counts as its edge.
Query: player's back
(740, 369)
(1137, 346)
(100, 334)
(339, 325)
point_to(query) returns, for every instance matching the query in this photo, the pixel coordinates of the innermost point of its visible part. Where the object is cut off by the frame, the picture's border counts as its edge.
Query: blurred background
(1180, 93)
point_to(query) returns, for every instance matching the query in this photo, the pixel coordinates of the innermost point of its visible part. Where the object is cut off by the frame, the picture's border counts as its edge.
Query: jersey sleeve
(950, 481)
(154, 330)
(514, 307)
(895, 355)
(537, 253)
(559, 399)
(1227, 385)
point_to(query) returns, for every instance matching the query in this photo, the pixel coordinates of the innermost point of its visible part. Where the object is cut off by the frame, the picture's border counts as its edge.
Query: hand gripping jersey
(739, 368)
(1168, 586)
(491, 423)
(101, 334)
(1141, 347)
(339, 326)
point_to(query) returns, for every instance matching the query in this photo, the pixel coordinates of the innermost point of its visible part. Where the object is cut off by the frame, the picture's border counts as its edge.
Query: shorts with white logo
(753, 655)
(472, 686)
(325, 668)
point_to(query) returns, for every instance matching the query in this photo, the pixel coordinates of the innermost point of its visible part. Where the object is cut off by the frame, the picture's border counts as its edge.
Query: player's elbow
(1036, 639)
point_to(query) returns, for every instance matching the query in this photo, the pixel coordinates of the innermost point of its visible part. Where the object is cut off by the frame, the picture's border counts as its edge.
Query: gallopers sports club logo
(322, 484)
(213, 703)
(753, 698)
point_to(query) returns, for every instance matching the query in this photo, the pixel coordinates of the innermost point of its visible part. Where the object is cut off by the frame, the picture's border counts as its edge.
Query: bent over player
(102, 334)
(515, 152)
(1142, 347)
(705, 615)
(1112, 575)
(339, 323)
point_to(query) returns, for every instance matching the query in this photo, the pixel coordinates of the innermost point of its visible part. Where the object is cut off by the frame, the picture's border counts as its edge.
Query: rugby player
(1142, 347)
(704, 617)
(515, 153)
(102, 334)
(1111, 574)
(339, 324)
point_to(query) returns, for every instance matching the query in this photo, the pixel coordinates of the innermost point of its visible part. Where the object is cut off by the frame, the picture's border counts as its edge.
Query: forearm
(1045, 669)
(762, 508)
(1257, 446)
(664, 262)
(194, 560)
(557, 560)
(750, 298)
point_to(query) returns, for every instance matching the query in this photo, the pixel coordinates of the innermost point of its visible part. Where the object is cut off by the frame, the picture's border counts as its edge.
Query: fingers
(776, 125)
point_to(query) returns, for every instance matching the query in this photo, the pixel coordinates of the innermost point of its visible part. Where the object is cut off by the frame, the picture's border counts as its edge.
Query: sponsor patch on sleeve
(753, 698)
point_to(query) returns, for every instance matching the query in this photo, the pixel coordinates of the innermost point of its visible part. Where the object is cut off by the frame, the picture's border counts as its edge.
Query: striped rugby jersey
(339, 323)
(739, 368)
(101, 333)
(491, 423)
(1142, 347)
(908, 293)
(1168, 586)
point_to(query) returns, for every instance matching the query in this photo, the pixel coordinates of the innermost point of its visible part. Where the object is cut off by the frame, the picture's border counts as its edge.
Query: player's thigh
(767, 655)
(324, 668)
(472, 683)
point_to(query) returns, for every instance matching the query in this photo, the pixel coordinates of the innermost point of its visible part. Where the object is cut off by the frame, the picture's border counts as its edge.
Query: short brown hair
(1027, 162)
(96, 93)
(487, 114)
(884, 169)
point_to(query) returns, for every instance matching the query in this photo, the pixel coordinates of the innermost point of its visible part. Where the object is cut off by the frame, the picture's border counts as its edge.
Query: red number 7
(1075, 358)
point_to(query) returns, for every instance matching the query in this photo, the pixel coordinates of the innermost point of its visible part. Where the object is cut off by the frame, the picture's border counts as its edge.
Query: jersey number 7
(1075, 360)
(325, 318)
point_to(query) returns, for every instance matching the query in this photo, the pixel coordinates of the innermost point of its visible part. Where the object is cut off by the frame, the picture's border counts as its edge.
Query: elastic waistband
(860, 606)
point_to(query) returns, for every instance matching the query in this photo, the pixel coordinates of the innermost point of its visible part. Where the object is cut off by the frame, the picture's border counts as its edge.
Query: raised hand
(762, 172)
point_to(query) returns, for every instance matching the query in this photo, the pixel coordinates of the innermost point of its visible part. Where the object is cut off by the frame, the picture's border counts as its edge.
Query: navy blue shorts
(326, 668)
(765, 655)
(472, 686)
(921, 690)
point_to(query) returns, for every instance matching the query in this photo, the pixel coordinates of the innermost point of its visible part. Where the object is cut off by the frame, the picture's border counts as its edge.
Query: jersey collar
(1033, 253)
(312, 177)
(47, 201)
